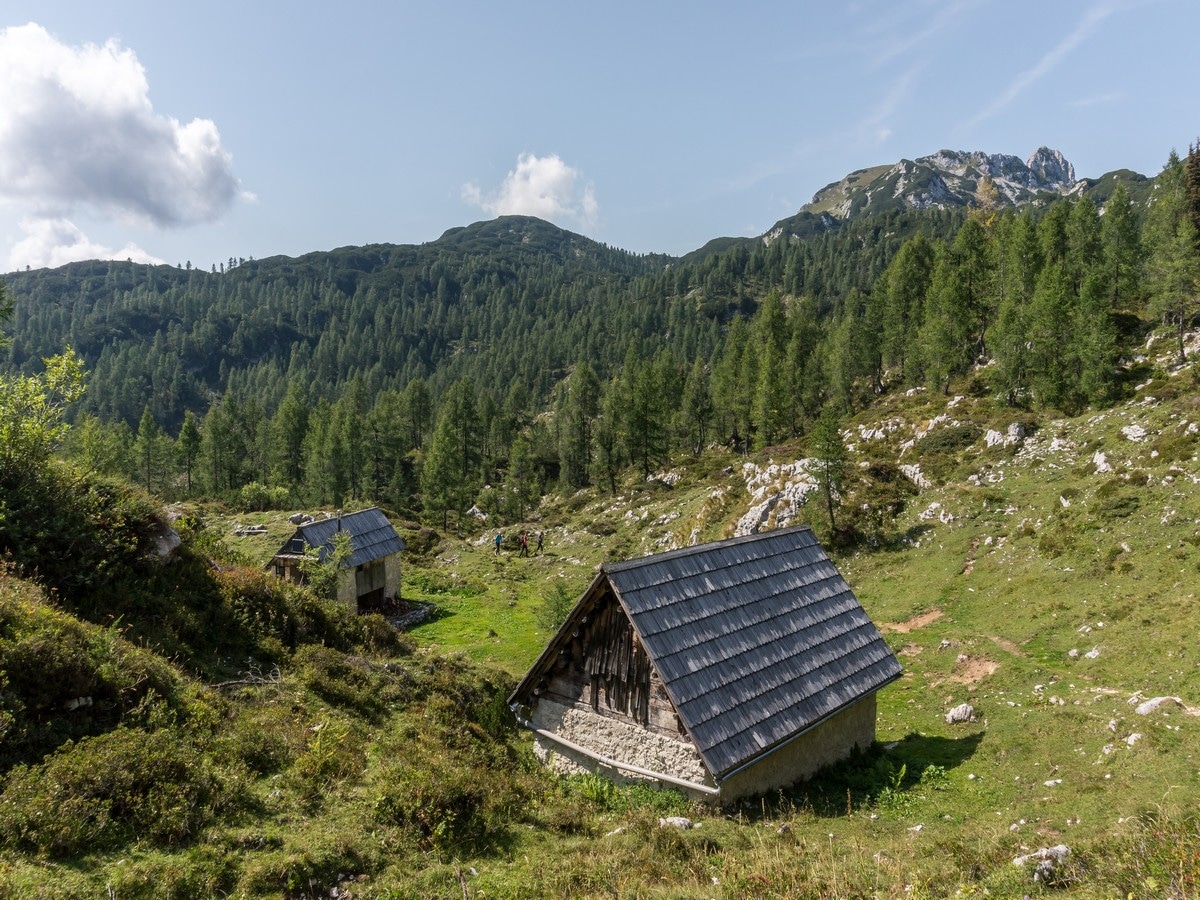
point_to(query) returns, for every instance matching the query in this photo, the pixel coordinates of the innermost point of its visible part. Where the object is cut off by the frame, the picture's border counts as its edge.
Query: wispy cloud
(875, 128)
(901, 41)
(1091, 20)
(542, 186)
(1097, 100)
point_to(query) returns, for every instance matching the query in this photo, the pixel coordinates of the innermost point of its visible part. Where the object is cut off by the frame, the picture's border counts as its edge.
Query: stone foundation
(615, 740)
(830, 742)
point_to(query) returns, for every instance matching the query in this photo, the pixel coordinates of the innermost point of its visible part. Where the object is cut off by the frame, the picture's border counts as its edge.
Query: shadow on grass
(923, 750)
(879, 775)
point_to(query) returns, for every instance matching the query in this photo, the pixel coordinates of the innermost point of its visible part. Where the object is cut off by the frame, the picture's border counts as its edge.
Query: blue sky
(181, 132)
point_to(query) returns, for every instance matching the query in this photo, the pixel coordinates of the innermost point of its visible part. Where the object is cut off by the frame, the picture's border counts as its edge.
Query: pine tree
(697, 410)
(1123, 250)
(1174, 264)
(830, 459)
(188, 447)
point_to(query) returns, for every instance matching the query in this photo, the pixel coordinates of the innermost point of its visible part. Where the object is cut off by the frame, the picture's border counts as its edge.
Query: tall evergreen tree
(1174, 263)
(830, 458)
(1123, 250)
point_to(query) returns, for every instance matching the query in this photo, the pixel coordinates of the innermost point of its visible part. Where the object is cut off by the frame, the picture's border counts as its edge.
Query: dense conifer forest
(510, 357)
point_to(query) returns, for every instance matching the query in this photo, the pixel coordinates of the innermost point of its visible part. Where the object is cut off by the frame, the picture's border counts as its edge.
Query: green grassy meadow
(1050, 583)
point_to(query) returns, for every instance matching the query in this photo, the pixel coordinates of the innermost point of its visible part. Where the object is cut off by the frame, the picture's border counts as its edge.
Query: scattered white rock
(1134, 432)
(1073, 653)
(1133, 738)
(1093, 653)
(964, 712)
(1053, 782)
(1046, 861)
(1149, 706)
(913, 473)
(1064, 501)
(676, 822)
(1100, 461)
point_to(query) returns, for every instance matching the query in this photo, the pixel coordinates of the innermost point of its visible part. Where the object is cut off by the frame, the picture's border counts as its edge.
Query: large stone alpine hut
(369, 577)
(726, 669)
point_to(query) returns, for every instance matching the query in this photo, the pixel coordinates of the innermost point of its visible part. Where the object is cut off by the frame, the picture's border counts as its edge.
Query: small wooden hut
(726, 669)
(371, 575)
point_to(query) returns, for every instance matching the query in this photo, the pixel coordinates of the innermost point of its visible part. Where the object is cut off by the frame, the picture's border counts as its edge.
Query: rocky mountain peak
(942, 180)
(1052, 168)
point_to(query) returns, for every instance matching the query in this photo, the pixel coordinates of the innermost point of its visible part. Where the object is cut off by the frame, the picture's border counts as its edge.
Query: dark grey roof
(757, 639)
(372, 536)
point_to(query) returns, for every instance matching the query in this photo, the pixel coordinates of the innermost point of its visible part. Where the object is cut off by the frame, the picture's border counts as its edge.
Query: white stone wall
(612, 739)
(391, 568)
(347, 590)
(624, 742)
(831, 741)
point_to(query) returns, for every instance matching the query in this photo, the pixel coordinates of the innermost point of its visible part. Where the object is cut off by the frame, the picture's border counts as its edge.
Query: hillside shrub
(258, 497)
(75, 531)
(64, 679)
(950, 439)
(106, 791)
(333, 754)
(352, 684)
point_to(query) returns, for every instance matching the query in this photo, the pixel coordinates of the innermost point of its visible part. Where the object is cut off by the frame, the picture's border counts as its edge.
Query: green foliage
(256, 497)
(332, 756)
(557, 602)
(951, 439)
(32, 408)
(103, 791)
(324, 568)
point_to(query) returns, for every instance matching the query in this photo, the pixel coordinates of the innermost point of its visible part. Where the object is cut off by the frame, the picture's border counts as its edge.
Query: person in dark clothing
(539, 546)
(524, 544)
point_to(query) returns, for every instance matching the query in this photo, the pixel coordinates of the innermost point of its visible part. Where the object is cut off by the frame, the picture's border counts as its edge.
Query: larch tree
(1174, 263)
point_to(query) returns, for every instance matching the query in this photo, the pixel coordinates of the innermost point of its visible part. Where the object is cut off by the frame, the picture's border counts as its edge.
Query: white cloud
(56, 242)
(542, 186)
(78, 131)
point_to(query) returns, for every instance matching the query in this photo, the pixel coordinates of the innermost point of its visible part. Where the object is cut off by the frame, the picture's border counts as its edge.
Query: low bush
(63, 679)
(106, 791)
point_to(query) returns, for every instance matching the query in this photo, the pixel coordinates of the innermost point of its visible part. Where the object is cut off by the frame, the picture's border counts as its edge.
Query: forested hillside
(511, 357)
(991, 415)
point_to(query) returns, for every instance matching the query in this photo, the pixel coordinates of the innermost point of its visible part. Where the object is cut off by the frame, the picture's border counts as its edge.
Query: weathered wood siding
(604, 667)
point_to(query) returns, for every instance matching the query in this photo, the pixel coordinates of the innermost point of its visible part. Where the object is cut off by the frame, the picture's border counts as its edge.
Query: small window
(297, 545)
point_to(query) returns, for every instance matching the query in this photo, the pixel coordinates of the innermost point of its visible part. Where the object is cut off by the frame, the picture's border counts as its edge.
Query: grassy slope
(1032, 559)
(1029, 554)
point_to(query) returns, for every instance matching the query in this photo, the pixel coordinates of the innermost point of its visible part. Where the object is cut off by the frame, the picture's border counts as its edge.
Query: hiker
(539, 546)
(499, 540)
(524, 544)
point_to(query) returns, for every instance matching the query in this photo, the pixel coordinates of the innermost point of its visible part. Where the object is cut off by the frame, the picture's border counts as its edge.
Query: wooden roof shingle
(372, 536)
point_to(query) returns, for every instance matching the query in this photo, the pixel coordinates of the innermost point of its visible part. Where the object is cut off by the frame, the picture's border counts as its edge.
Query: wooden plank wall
(605, 666)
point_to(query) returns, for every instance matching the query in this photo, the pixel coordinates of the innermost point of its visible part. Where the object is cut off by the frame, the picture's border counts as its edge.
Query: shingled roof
(372, 536)
(757, 639)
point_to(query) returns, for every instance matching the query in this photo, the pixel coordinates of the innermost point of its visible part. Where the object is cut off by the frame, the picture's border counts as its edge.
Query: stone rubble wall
(612, 739)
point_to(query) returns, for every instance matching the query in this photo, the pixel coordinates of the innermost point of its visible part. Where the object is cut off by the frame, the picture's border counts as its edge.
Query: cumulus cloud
(56, 242)
(78, 131)
(542, 186)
